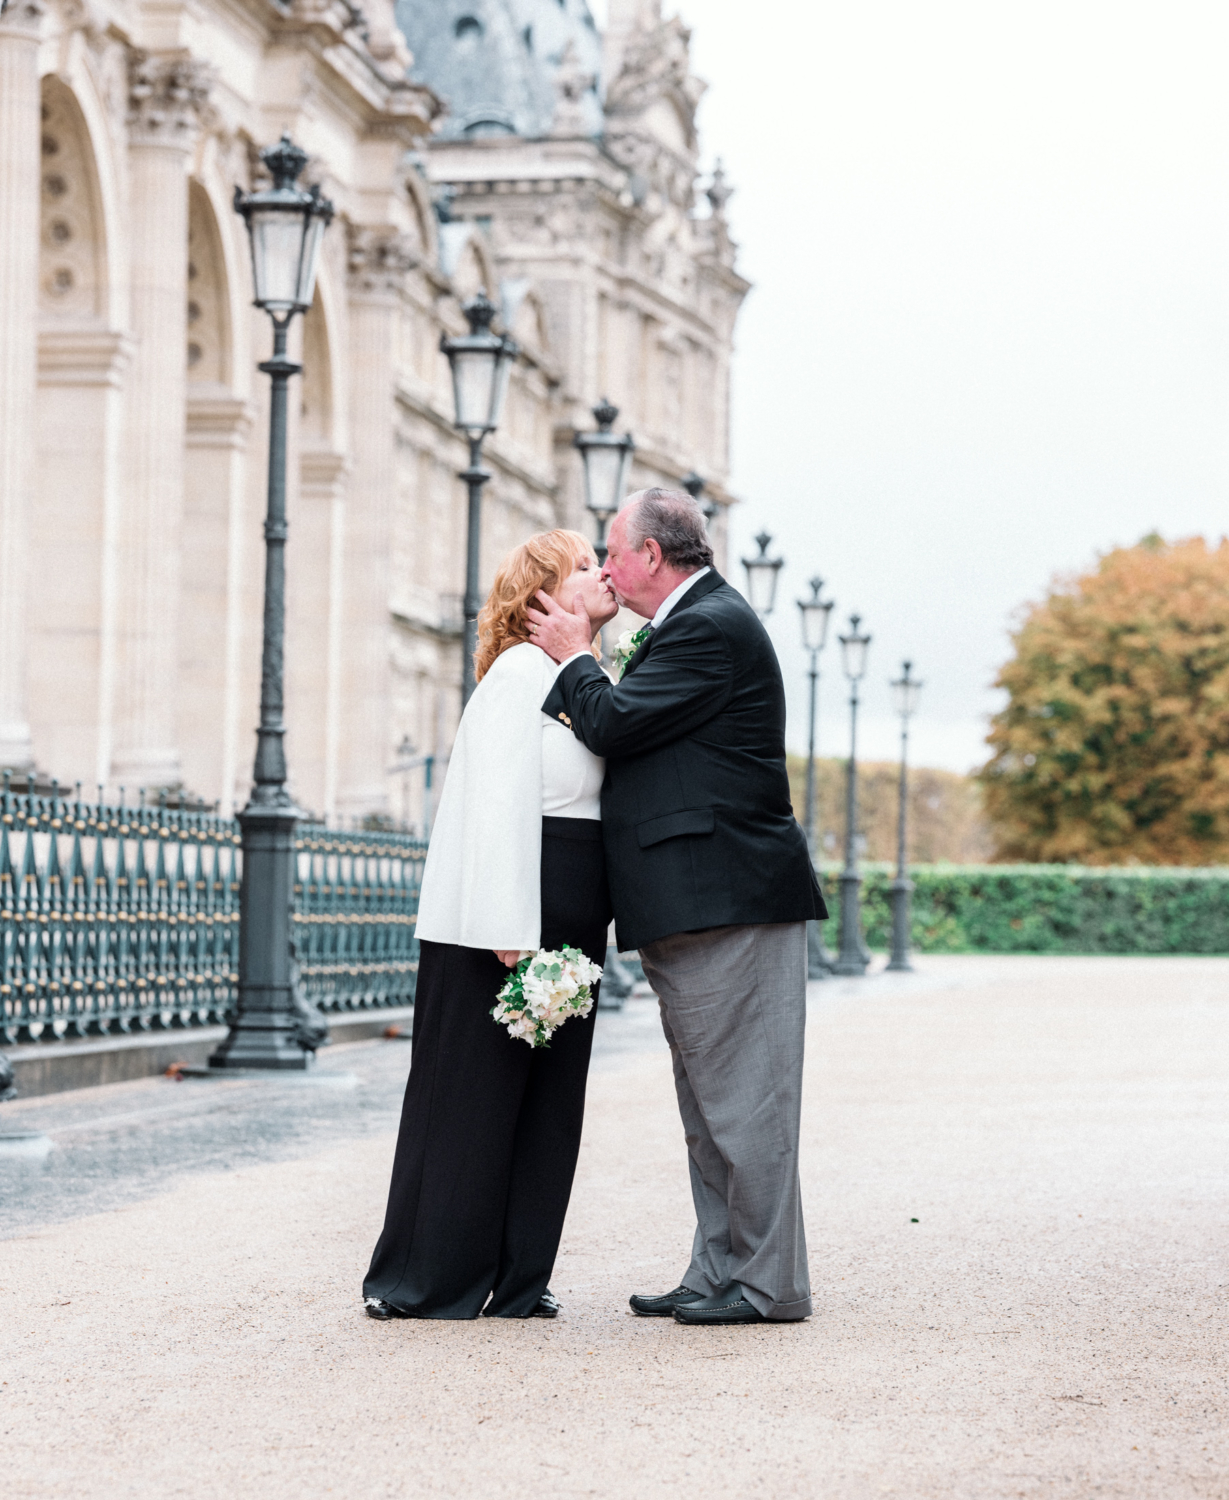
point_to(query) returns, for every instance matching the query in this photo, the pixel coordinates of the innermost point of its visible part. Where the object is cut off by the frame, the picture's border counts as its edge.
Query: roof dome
(507, 67)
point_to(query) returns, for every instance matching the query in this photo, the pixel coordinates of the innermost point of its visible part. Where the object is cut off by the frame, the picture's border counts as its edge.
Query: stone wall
(133, 420)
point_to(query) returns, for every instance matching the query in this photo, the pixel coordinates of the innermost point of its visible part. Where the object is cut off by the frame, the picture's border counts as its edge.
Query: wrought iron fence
(356, 902)
(117, 919)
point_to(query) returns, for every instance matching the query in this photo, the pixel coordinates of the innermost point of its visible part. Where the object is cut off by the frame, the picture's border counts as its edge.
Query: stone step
(58, 1066)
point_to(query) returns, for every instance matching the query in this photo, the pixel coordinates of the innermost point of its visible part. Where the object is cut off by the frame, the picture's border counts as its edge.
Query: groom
(712, 881)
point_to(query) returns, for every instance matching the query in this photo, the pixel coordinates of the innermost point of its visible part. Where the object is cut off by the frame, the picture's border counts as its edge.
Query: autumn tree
(1114, 745)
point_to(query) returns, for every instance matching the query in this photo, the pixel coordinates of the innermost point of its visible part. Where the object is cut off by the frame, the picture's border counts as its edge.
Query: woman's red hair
(543, 562)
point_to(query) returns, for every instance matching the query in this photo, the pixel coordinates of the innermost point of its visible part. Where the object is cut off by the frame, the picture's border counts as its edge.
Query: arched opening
(208, 352)
(217, 429)
(78, 425)
(72, 283)
(314, 575)
(316, 427)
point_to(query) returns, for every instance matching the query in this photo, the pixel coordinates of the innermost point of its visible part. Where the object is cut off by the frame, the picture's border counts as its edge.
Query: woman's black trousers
(490, 1127)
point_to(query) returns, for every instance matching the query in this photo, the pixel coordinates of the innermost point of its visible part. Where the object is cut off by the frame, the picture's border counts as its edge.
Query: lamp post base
(853, 957)
(616, 983)
(819, 960)
(261, 1040)
(268, 1028)
(900, 891)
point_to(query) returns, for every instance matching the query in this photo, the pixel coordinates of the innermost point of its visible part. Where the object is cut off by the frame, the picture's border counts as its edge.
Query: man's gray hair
(675, 522)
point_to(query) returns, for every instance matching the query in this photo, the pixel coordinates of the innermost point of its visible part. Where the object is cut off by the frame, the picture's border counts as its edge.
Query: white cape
(481, 886)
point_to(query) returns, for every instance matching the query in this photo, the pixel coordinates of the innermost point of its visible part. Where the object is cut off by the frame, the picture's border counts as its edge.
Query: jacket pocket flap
(690, 820)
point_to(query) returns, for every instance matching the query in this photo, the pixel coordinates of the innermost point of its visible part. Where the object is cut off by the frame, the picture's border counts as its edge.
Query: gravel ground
(1015, 1184)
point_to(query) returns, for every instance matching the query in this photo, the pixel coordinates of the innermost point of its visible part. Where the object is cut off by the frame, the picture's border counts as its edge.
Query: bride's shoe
(384, 1311)
(548, 1306)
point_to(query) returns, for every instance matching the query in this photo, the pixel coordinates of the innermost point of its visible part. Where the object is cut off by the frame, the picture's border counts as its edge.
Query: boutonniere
(626, 647)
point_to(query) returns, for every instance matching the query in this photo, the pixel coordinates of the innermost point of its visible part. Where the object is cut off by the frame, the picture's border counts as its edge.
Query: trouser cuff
(777, 1312)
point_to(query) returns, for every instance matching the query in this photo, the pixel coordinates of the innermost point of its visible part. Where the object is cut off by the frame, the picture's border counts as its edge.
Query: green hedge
(1047, 909)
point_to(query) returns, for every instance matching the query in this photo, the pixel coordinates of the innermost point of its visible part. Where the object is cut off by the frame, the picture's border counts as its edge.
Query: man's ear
(653, 547)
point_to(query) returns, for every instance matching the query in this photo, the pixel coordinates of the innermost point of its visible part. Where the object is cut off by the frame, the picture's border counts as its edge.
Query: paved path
(1052, 1325)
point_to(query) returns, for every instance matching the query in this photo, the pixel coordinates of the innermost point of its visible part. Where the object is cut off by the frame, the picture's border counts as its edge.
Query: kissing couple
(662, 797)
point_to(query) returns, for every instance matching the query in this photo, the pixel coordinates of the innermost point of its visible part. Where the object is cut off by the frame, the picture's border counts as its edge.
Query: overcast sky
(990, 244)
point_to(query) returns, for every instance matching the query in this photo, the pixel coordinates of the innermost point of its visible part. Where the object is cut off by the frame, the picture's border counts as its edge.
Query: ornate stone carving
(332, 18)
(656, 67)
(24, 16)
(719, 191)
(167, 98)
(87, 17)
(378, 259)
(656, 62)
(572, 83)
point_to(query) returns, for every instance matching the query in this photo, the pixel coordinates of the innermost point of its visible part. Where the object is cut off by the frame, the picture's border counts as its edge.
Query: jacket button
(566, 720)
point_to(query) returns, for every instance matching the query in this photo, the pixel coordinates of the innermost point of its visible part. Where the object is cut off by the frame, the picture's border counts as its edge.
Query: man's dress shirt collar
(668, 603)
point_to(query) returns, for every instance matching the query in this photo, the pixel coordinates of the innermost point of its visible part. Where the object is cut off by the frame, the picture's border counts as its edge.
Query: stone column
(74, 530)
(378, 262)
(317, 668)
(217, 524)
(19, 231)
(166, 95)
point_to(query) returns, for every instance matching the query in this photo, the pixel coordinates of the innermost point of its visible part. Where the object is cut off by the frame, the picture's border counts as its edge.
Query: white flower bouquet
(545, 990)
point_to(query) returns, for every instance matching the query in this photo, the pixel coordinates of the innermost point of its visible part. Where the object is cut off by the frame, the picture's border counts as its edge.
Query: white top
(571, 775)
(668, 603)
(509, 766)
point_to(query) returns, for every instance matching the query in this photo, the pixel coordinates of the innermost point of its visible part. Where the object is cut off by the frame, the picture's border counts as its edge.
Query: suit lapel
(706, 585)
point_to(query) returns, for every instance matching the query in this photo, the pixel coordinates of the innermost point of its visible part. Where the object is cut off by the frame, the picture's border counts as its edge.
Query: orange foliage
(1114, 746)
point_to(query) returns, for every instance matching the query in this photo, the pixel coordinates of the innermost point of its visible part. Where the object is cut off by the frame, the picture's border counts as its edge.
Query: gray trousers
(733, 1007)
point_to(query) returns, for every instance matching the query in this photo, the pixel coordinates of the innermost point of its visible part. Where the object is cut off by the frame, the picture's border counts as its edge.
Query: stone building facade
(560, 178)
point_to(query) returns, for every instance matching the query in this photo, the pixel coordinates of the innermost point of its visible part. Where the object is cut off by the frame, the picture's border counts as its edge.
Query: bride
(490, 1127)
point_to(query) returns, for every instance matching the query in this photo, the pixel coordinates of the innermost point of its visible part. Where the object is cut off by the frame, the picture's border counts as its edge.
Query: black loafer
(548, 1306)
(383, 1311)
(728, 1308)
(663, 1306)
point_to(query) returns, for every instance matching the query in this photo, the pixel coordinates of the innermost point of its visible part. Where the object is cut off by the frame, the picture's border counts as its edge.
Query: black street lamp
(481, 362)
(607, 456)
(905, 691)
(853, 957)
(814, 613)
(762, 572)
(285, 226)
(694, 486)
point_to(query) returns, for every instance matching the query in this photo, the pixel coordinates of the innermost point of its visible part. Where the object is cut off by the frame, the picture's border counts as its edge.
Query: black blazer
(696, 813)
